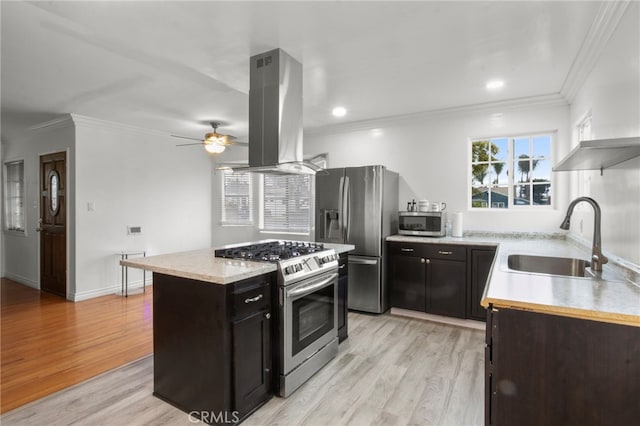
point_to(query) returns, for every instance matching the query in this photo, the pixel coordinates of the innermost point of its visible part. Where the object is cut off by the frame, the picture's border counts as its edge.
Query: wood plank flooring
(49, 343)
(390, 371)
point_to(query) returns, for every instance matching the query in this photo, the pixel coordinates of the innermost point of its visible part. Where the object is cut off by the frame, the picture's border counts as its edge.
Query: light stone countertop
(610, 298)
(202, 265)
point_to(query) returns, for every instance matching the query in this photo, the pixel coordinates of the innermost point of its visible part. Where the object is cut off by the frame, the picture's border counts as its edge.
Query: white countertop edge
(202, 264)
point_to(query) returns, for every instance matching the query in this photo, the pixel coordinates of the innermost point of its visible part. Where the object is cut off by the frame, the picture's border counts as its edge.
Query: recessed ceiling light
(376, 132)
(495, 84)
(339, 111)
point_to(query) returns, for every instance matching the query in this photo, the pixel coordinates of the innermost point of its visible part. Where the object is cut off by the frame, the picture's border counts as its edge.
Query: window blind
(286, 203)
(14, 201)
(236, 198)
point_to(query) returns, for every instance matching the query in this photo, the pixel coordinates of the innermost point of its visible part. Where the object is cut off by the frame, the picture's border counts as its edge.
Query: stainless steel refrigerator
(359, 206)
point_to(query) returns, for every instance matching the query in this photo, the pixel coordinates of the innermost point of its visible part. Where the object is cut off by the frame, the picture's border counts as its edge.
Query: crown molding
(82, 120)
(59, 122)
(77, 120)
(549, 100)
(604, 24)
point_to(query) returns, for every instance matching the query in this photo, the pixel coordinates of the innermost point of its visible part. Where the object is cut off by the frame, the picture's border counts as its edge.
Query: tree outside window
(511, 171)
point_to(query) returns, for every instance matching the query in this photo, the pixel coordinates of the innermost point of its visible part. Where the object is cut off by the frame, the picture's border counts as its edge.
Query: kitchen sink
(567, 266)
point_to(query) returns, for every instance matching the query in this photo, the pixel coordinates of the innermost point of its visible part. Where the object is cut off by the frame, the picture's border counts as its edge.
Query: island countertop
(611, 298)
(202, 264)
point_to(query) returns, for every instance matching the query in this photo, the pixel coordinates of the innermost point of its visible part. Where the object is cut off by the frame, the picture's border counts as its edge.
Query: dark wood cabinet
(554, 370)
(251, 336)
(428, 278)
(446, 287)
(212, 346)
(343, 292)
(408, 282)
(480, 263)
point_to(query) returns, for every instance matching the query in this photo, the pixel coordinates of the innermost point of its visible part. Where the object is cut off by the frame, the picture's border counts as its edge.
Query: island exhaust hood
(275, 116)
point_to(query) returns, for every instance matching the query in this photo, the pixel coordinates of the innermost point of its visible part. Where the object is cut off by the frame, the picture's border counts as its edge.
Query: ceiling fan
(214, 142)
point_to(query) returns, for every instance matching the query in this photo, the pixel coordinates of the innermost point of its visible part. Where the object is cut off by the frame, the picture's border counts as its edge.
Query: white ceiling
(174, 66)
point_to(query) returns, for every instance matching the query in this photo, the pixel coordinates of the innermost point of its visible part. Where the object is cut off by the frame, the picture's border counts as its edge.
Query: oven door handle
(310, 288)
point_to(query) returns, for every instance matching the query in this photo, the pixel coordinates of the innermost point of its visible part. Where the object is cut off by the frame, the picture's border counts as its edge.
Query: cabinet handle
(427, 261)
(422, 260)
(445, 252)
(267, 315)
(253, 299)
(406, 249)
(342, 266)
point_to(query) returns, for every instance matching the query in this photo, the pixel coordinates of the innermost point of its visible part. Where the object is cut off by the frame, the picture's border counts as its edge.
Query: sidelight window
(511, 172)
(14, 196)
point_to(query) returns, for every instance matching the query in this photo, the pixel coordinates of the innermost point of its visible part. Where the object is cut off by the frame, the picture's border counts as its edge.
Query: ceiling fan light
(214, 147)
(218, 138)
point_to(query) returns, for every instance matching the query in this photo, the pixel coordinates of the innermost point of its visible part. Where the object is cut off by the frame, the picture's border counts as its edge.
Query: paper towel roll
(456, 226)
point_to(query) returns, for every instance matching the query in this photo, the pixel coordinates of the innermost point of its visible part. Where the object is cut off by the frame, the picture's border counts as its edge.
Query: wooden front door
(53, 213)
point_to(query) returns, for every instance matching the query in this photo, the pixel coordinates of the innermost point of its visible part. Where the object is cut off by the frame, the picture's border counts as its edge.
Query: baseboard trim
(21, 280)
(476, 325)
(135, 286)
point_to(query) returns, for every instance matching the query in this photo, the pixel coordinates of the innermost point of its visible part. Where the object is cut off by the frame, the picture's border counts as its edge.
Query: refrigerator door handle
(347, 209)
(360, 261)
(341, 208)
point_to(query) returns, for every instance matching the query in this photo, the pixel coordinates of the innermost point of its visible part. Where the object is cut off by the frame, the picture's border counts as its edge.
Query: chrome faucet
(597, 258)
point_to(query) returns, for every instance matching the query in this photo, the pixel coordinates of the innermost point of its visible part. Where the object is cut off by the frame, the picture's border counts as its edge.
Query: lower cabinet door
(407, 275)
(446, 288)
(251, 362)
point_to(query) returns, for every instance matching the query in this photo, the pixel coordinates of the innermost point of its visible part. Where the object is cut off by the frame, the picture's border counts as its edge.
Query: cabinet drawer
(407, 249)
(251, 300)
(450, 252)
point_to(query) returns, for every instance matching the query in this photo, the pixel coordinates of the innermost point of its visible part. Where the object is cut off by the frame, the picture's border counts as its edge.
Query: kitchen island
(214, 333)
(559, 349)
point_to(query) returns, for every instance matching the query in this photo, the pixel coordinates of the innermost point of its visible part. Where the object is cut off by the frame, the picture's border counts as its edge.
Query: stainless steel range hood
(275, 115)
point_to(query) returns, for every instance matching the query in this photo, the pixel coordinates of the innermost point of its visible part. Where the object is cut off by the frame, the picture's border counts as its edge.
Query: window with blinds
(286, 203)
(236, 199)
(14, 196)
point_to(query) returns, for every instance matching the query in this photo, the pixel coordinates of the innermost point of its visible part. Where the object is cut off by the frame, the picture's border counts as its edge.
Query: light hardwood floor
(391, 371)
(49, 343)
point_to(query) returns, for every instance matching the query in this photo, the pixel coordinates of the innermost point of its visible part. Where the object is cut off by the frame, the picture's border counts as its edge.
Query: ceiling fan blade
(187, 137)
(189, 144)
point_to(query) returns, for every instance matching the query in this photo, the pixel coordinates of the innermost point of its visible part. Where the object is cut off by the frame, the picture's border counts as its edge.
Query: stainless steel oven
(309, 323)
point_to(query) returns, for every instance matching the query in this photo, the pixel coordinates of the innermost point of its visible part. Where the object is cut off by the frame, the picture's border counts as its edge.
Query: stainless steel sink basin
(567, 266)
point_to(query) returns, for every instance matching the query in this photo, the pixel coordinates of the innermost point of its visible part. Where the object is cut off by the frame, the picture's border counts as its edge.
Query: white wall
(131, 176)
(432, 154)
(21, 252)
(612, 94)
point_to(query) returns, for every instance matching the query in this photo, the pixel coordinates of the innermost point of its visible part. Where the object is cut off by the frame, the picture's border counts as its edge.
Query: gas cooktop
(272, 251)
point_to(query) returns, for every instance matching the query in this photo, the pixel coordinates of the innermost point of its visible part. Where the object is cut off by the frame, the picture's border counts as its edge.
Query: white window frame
(265, 228)
(224, 221)
(584, 128)
(511, 161)
(13, 202)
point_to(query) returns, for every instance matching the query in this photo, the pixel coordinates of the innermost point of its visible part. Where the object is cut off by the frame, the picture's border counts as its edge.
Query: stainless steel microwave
(424, 224)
